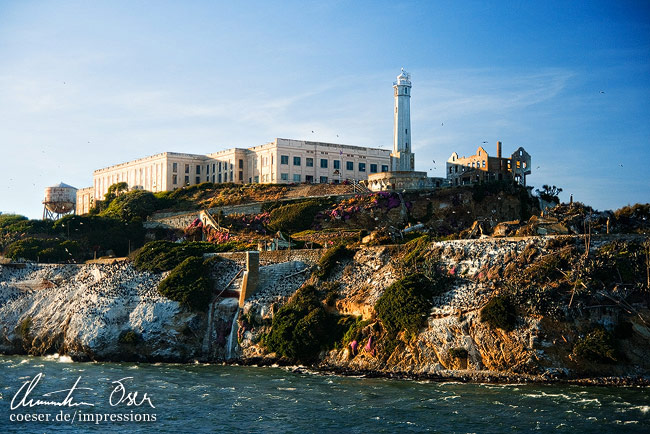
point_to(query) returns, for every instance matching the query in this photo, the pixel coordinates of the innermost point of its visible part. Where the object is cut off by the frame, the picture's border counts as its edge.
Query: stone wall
(308, 256)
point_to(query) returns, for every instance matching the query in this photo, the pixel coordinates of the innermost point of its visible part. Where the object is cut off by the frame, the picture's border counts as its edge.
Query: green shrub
(499, 312)
(189, 284)
(25, 327)
(302, 327)
(354, 332)
(129, 337)
(136, 204)
(406, 304)
(294, 217)
(158, 256)
(416, 249)
(458, 353)
(329, 260)
(597, 346)
(43, 249)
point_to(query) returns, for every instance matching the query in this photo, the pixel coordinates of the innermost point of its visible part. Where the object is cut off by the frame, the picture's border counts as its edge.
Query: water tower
(60, 199)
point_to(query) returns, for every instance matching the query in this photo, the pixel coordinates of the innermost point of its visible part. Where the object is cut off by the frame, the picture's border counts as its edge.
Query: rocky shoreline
(460, 376)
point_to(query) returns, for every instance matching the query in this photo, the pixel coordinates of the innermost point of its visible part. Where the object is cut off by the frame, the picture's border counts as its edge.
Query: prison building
(281, 161)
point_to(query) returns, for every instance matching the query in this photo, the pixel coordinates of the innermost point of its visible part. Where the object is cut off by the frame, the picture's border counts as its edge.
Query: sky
(85, 85)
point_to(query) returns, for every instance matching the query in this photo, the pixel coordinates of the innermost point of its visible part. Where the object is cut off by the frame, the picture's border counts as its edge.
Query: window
(174, 168)
(187, 168)
(198, 170)
(219, 178)
(219, 167)
(241, 175)
(187, 180)
(373, 168)
(337, 164)
(213, 167)
(212, 176)
(296, 178)
(384, 168)
(406, 130)
(323, 163)
(284, 159)
(309, 178)
(174, 178)
(284, 176)
(256, 179)
(323, 179)
(349, 165)
(231, 176)
(296, 161)
(207, 169)
(362, 167)
(198, 180)
(483, 164)
(309, 162)
(241, 163)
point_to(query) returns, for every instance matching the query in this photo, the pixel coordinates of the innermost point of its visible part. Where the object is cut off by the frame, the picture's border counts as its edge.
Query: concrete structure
(402, 175)
(483, 168)
(281, 161)
(59, 200)
(85, 200)
(250, 281)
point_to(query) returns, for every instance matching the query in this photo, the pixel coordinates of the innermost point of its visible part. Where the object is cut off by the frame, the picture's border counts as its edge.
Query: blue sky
(84, 85)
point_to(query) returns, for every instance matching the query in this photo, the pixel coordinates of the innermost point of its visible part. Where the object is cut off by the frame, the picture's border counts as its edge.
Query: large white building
(281, 161)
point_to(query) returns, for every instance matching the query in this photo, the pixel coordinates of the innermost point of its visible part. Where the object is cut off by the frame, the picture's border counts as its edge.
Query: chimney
(498, 149)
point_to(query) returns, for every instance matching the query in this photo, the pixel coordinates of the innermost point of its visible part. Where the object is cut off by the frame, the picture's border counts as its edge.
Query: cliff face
(113, 312)
(552, 318)
(97, 312)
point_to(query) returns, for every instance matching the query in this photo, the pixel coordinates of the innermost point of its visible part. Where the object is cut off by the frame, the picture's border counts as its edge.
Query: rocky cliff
(577, 310)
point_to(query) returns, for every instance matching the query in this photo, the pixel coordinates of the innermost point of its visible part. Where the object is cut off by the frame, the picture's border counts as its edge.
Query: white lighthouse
(402, 159)
(402, 175)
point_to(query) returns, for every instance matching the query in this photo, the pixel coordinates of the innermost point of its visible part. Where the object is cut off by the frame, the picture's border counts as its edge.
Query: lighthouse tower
(402, 159)
(402, 175)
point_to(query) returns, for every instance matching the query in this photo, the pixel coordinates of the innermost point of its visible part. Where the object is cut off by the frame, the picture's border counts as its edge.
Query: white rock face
(84, 309)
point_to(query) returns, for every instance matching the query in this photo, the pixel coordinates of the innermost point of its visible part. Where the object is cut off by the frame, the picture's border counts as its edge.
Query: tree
(549, 193)
(115, 190)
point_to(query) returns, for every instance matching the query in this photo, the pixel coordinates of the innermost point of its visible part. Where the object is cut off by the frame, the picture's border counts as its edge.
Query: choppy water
(208, 398)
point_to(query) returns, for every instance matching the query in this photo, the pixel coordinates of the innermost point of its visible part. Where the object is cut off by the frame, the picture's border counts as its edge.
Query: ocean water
(215, 398)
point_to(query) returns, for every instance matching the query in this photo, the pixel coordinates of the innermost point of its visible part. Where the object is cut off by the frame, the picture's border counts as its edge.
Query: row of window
(324, 162)
(207, 167)
(215, 178)
(308, 178)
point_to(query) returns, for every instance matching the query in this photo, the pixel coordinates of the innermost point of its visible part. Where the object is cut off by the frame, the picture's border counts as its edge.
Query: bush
(499, 313)
(294, 217)
(136, 204)
(355, 331)
(25, 327)
(416, 249)
(597, 346)
(458, 353)
(129, 337)
(43, 249)
(406, 304)
(158, 256)
(329, 260)
(189, 284)
(302, 327)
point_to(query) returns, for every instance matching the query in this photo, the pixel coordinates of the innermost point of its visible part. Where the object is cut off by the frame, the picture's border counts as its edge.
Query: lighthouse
(402, 159)
(402, 175)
